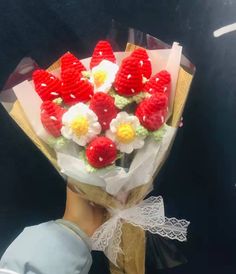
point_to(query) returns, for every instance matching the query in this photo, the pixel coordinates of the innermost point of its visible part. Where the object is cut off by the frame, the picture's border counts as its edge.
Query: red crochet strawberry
(129, 80)
(68, 60)
(160, 82)
(75, 87)
(144, 61)
(102, 51)
(101, 152)
(51, 116)
(46, 85)
(152, 111)
(103, 105)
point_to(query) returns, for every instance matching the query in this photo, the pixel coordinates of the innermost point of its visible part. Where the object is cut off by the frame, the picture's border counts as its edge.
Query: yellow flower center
(125, 133)
(100, 77)
(80, 125)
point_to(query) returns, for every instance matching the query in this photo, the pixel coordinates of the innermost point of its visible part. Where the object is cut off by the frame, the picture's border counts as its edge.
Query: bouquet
(107, 123)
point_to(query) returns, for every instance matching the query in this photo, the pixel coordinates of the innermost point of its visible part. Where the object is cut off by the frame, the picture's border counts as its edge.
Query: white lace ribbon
(148, 215)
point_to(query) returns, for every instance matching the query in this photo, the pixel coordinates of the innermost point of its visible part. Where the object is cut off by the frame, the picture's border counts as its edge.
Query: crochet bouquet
(107, 123)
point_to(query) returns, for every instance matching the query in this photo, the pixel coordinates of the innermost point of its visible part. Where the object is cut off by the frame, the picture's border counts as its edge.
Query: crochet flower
(103, 75)
(80, 124)
(123, 132)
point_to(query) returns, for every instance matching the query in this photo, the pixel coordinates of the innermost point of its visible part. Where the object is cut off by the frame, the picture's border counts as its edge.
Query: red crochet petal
(101, 152)
(102, 51)
(51, 116)
(46, 85)
(152, 111)
(75, 87)
(103, 105)
(129, 80)
(144, 61)
(160, 82)
(68, 61)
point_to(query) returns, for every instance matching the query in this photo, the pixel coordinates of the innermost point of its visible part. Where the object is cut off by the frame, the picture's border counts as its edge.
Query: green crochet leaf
(57, 143)
(121, 101)
(90, 168)
(141, 131)
(58, 101)
(86, 73)
(139, 97)
(119, 155)
(158, 134)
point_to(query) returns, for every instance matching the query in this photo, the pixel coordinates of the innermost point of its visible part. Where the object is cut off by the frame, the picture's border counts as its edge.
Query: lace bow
(148, 215)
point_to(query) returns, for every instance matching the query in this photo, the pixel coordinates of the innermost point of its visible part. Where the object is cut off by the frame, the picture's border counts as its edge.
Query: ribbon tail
(173, 229)
(107, 239)
(113, 248)
(149, 215)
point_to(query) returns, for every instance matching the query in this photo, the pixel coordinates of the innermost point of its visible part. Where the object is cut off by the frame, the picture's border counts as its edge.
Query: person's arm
(60, 246)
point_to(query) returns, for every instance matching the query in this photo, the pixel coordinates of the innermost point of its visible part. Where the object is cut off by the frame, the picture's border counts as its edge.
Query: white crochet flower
(80, 124)
(103, 75)
(123, 132)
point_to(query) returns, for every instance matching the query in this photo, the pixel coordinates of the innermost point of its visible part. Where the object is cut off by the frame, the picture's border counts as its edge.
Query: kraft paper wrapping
(132, 260)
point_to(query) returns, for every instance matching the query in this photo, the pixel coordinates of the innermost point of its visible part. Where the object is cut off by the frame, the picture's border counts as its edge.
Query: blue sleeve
(49, 248)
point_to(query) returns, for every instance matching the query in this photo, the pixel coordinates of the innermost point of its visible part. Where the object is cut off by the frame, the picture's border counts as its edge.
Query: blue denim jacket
(55, 247)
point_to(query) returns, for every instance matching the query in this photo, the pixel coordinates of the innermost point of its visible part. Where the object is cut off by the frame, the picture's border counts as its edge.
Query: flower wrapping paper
(132, 259)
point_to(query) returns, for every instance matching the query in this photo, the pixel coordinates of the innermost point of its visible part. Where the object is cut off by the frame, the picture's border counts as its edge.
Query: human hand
(83, 213)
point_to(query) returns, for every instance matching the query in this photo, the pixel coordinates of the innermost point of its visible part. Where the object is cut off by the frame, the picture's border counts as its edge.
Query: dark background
(198, 180)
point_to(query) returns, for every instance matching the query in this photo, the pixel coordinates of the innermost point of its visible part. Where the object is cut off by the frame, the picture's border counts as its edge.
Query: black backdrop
(198, 180)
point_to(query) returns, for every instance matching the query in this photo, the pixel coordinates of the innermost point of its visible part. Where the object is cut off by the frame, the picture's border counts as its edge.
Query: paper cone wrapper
(133, 239)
